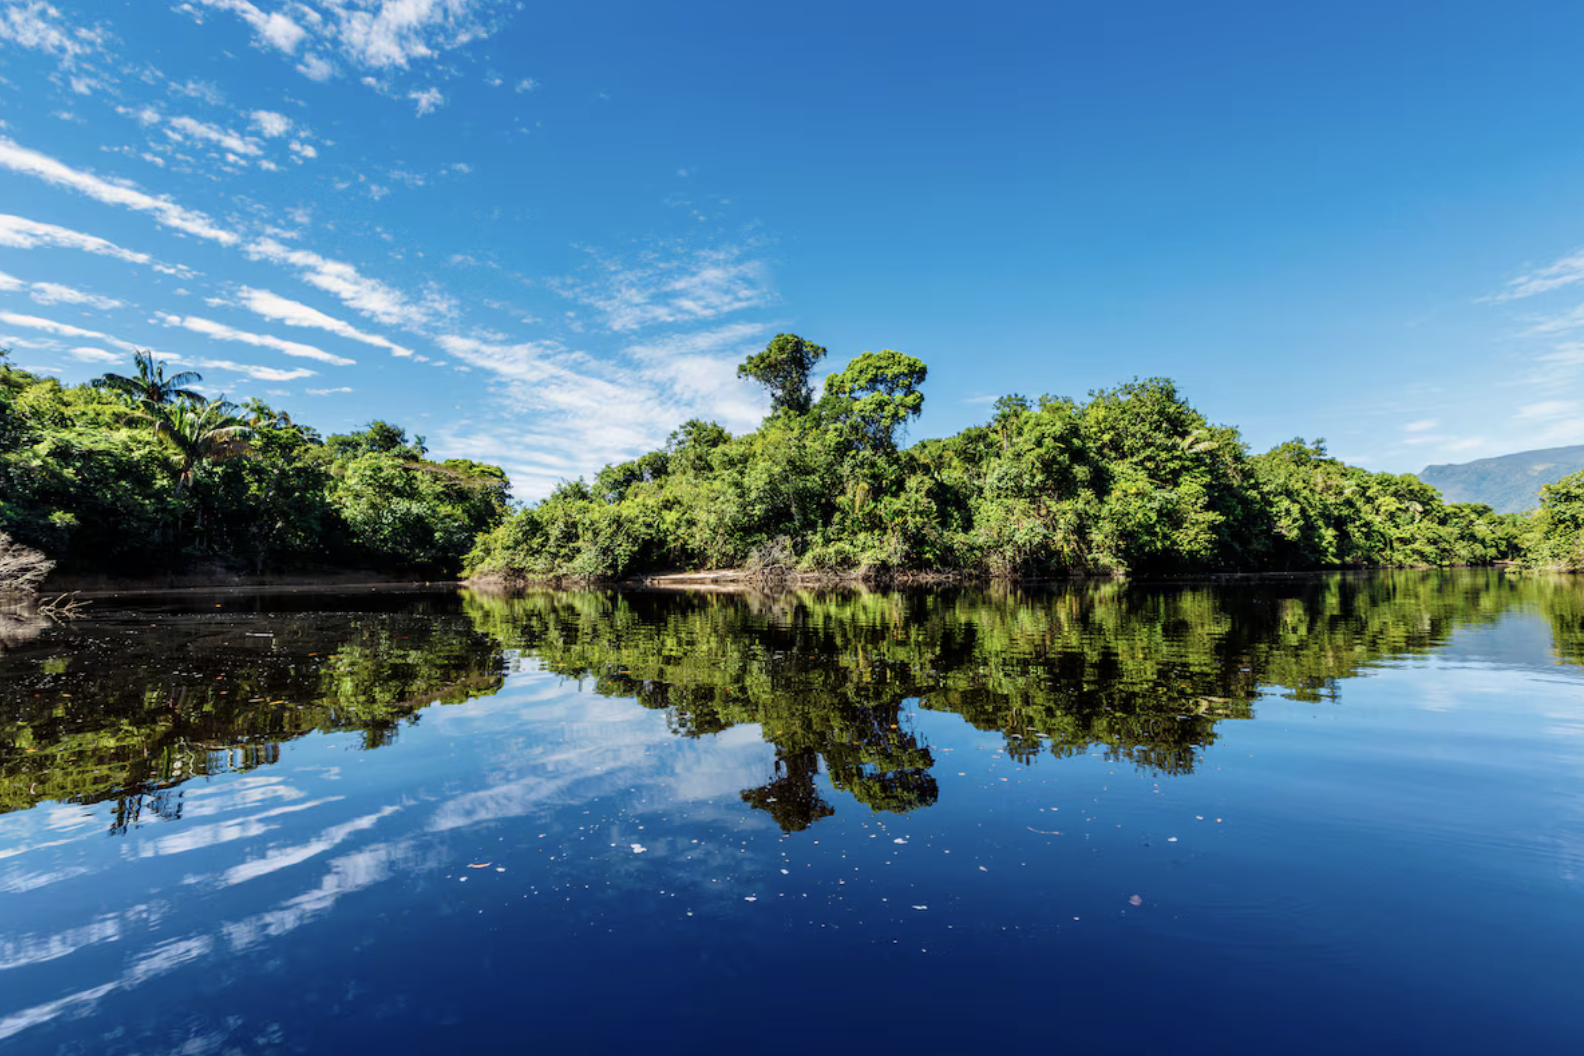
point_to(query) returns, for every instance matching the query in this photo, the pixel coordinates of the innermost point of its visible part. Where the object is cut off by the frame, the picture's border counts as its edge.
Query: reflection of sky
(267, 839)
(611, 792)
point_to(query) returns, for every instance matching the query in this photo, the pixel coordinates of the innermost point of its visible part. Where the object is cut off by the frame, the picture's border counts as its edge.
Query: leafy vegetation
(140, 474)
(1555, 532)
(1131, 480)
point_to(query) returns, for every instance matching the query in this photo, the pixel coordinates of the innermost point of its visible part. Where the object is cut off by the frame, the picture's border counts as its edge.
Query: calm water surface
(1299, 816)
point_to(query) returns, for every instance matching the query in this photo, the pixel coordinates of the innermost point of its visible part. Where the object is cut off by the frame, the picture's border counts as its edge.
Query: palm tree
(201, 432)
(151, 389)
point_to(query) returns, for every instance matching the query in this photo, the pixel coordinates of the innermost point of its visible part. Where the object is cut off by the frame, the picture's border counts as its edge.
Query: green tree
(875, 395)
(201, 433)
(783, 368)
(151, 389)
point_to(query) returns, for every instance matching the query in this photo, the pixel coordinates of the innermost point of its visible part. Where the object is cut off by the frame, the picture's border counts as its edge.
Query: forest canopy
(140, 474)
(1130, 480)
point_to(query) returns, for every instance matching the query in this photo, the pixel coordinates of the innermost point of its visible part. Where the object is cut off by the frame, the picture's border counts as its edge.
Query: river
(1298, 815)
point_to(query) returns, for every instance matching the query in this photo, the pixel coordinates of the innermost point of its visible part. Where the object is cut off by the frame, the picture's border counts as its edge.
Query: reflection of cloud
(281, 858)
(578, 749)
(349, 873)
(36, 949)
(192, 837)
(17, 881)
(163, 958)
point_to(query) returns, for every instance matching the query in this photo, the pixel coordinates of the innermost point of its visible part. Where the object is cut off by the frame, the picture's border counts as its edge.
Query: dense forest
(140, 475)
(1131, 480)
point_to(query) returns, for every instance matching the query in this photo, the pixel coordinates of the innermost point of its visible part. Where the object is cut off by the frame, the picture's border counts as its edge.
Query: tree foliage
(1131, 480)
(783, 368)
(138, 474)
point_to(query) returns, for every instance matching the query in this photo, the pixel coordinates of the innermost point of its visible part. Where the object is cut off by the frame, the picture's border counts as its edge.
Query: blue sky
(543, 235)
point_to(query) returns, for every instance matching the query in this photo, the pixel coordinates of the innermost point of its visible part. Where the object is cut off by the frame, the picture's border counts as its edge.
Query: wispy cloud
(383, 35)
(275, 29)
(695, 287)
(50, 326)
(428, 100)
(270, 124)
(20, 159)
(20, 233)
(1564, 272)
(256, 372)
(326, 392)
(1423, 425)
(54, 293)
(342, 280)
(219, 331)
(41, 27)
(1547, 409)
(294, 313)
(95, 355)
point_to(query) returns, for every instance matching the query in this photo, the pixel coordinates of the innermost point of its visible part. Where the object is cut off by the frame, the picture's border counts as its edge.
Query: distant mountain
(1507, 483)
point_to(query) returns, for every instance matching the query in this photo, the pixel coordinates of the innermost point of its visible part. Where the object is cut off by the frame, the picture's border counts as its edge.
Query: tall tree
(200, 433)
(151, 388)
(783, 368)
(876, 394)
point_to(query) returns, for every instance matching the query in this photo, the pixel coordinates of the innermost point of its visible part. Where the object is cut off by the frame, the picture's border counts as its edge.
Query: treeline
(1131, 480)
(138, 475)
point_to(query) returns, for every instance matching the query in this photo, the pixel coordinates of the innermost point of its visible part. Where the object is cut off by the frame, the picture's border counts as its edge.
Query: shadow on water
(126, 706)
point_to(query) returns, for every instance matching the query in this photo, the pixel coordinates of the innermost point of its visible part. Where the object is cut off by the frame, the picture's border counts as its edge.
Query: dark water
(1340, 814)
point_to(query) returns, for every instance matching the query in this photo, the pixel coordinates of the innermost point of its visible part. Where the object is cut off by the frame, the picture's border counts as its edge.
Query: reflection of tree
(1143, 673)
(1561, 601)
(134, 711)
(791, 797)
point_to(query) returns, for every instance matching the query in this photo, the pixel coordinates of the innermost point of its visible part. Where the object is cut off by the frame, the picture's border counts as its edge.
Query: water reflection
(1143, 673)
(129, 705)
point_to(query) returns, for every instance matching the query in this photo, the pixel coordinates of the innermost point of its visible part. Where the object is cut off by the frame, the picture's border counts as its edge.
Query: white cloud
(302, 149)
(527, 84)
(165, 212)
(326, 392)
(399, 31)
(702, 285)
(219, 331)
(370, 34)
(179, 127)
(1547, 409)
(1564, 272)
(257, 373)
(369, 296)
(316, 68)
(50, 326)
(270, 124)
(54, 293)
(20, 233)
(571, 399)
(428, 100)
(1420, 426)
(293, 313)
(275, 29)
(41, 27)
(95, 355)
